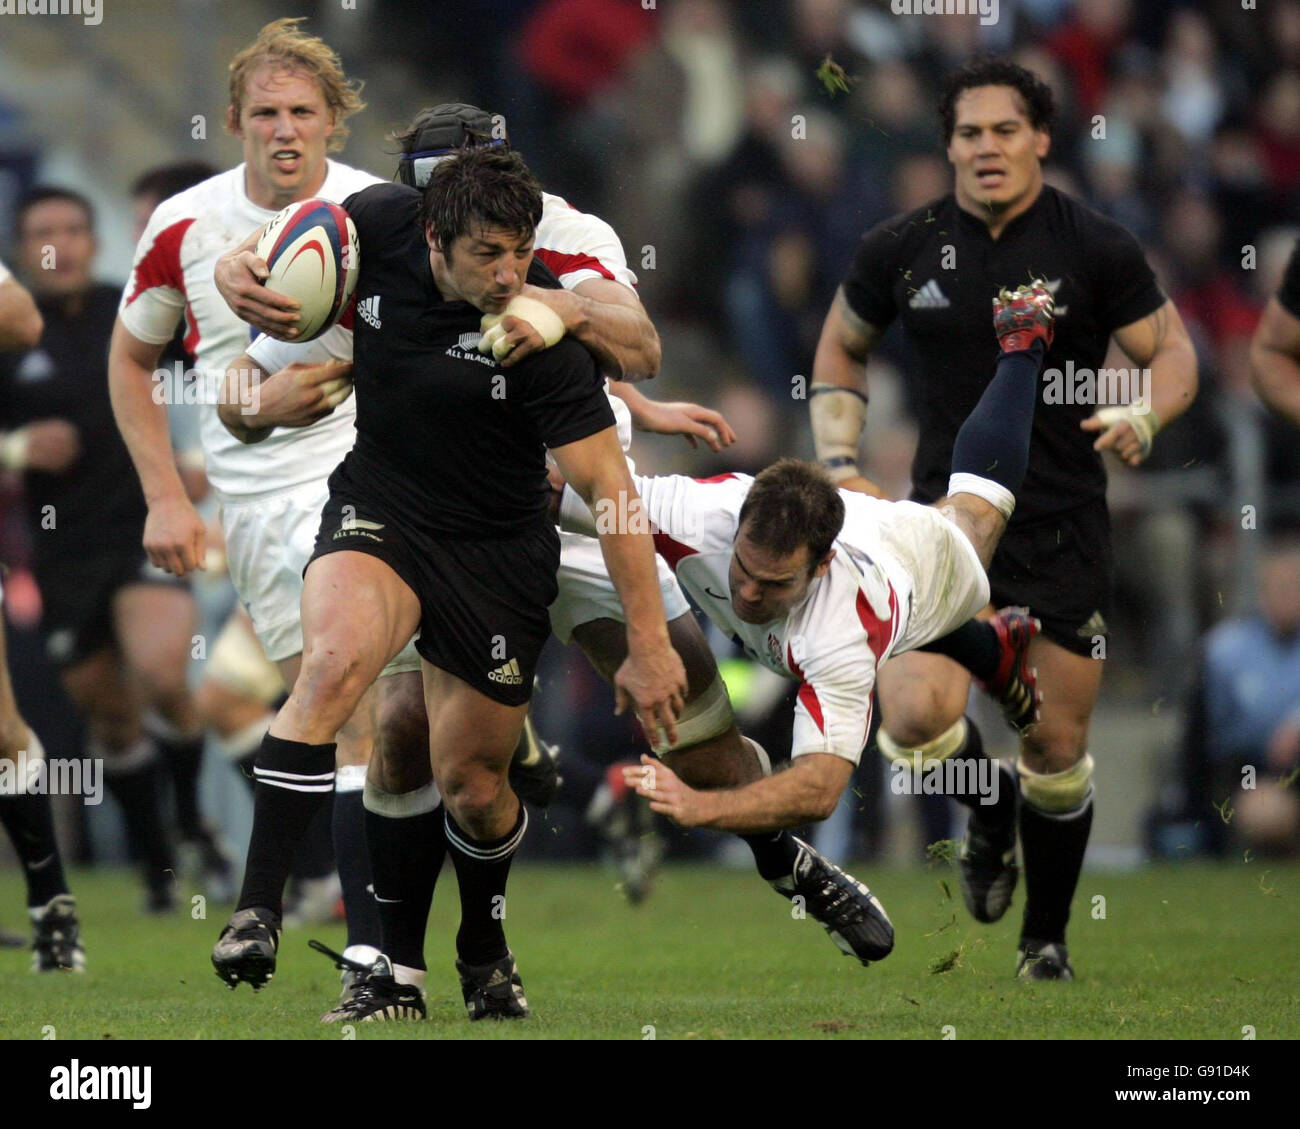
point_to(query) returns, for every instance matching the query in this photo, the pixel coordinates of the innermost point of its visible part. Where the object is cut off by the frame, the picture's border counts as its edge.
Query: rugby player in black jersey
(118, 630)
(437, 522)
(25, 812)
(935, 269)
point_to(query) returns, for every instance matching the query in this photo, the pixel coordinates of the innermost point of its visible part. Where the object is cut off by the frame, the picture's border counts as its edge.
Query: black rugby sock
(993, 443)
(137, 787)
(1053, 847)
(974, 644)
(1000, 813)
(353, 860)
(314, 856)
(294, 782)
(482, 868)
(184, 759)
(774, 854)
(408, 852)
(29, 821)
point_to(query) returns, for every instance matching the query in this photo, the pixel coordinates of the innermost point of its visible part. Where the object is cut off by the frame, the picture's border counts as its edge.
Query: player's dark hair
(481, 188)
(166, 181)
(988, 70)
(792, 504)
(44, 192)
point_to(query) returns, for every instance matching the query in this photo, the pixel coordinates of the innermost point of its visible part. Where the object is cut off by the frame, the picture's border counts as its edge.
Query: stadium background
(676, 125)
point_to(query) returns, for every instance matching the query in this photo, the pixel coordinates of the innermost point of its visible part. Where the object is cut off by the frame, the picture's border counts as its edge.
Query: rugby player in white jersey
(822, 585)
(25, 812)
(289, 99)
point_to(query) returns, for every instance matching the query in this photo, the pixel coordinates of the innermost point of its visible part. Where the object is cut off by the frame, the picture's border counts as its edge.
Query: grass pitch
(1190, 952)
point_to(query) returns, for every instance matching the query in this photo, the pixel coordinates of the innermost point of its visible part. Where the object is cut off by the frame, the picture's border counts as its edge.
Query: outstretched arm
(690, 421)
(805, 792)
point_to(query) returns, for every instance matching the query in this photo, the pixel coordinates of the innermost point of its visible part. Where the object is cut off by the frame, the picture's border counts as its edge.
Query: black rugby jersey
(98, 503)
(443, 432)
(1099, 278)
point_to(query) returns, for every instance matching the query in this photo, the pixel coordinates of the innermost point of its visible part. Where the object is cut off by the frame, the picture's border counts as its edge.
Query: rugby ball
(312, 252)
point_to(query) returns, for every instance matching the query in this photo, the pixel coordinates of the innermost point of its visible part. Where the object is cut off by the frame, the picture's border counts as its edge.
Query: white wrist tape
(13, 449)
(549, 324)
(838, 417)
(1142, 419)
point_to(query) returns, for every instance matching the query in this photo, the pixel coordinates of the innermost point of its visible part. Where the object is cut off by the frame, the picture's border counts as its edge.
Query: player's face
(285, 126)
(485, 267)
(764, 585)
(57, 247)
(995, 152)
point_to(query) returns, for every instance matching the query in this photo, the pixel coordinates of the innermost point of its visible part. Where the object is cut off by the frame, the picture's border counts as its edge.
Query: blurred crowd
(739, 149)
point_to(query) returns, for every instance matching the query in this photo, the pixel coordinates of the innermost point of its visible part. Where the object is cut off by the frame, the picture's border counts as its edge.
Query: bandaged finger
(1141, 419)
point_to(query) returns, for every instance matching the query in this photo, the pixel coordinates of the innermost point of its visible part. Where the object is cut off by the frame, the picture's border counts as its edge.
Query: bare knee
(1055, 746)
(474, 794)
(920, 711)
(330, 684)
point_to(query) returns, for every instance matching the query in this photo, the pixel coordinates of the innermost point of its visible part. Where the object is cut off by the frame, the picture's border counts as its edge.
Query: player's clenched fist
(175, 537)
(653, 680)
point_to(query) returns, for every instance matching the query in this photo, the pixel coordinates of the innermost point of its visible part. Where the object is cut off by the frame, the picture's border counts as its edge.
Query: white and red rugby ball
(311, 249)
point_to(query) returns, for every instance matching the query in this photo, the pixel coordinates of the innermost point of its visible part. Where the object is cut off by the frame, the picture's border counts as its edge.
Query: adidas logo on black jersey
(368, 312)
(507, 674)
(929, 297)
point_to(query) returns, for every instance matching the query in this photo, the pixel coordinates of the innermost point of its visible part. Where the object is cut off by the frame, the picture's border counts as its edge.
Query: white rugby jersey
(5, 276)
(575, 246)
(832, 641)
(172, 277)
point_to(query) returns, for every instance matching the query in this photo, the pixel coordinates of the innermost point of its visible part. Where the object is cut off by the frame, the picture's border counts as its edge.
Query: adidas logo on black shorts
(507, 674)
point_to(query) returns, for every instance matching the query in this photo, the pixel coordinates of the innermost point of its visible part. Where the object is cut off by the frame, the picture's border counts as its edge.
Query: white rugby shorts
(269, 540)
(949, 585)
(587, 593)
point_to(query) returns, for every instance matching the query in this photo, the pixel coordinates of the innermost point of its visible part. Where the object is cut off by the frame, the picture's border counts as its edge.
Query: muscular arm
(805, 792)
(1160, 342)
(837, 399)
(1160, 345)
(174, 536)
(842, 349)
(1275, 361)
(20, 321)
(609, 320)
(141, 419)
(596, 469)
